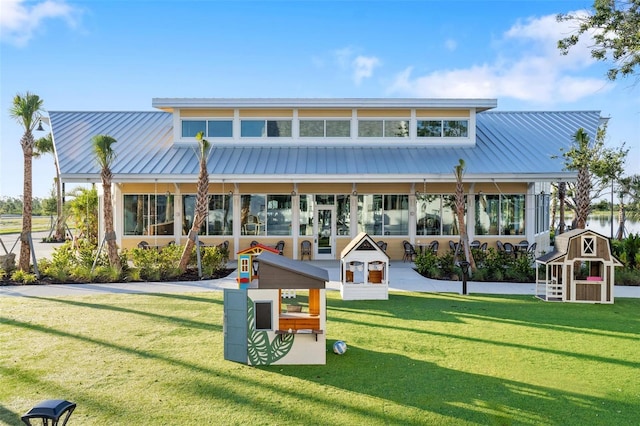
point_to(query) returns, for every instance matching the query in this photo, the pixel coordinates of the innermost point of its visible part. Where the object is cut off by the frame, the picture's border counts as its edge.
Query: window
(542, 213)
(265, 128)
(383, 128)
(325, 128)
(443, 128)
(383, 214)
(148, 214)
(306, 215)
(190, 128)
(266, 214)
(220, 128)
(210, 128)
(219, 219)
(500, 214)
(263, 315)
(588, 246)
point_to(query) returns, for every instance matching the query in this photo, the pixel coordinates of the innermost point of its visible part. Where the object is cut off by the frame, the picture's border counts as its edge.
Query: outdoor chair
(532, 249)
(509, 249)
(280, 247)
(475, 244)
(500, 245)
(433, 246)
(305, 249)
(254, 243)
(382, 245)
(409, 251)
(144, 245)
(483, 247)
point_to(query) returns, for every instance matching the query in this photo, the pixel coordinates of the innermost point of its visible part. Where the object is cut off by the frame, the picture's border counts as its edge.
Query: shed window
(263, 315)
(588, 246)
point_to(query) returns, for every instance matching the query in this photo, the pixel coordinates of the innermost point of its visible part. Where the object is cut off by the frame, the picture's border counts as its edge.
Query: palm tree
(562, 195)
(201, 202)
(45, 146)
(464, 237)
(105, 155)
(26, 110)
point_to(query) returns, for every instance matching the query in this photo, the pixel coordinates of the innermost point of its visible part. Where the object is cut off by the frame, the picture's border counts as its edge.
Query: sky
(116, 55)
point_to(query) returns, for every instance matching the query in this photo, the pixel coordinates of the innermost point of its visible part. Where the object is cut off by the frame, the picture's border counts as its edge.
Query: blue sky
(117, 55)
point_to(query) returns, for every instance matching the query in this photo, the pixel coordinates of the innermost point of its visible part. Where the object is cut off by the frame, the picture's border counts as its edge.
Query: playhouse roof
(562, 242)
(257, 249)
(281, 272)
(362, 242)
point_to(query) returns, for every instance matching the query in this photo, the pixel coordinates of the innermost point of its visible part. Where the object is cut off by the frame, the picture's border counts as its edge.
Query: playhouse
(246, 274)
(581, 268)
(260, 330)
(364, 270)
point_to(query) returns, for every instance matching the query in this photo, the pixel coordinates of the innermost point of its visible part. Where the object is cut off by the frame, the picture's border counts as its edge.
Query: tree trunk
(200, 213)
(27, 201)
(60, 233)
(621, 221)
(583, 201)
(112, 248)
(562, 193)
(464, 237)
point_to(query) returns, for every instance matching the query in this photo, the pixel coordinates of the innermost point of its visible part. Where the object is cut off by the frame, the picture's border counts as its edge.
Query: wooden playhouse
(364, 270)
(581, 268)
(260, 330)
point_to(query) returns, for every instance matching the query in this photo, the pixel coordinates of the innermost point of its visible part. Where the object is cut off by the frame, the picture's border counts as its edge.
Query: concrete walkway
(402, 277)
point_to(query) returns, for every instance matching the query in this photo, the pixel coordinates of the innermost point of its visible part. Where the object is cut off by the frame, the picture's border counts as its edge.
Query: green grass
(414, 359)
(13, 225)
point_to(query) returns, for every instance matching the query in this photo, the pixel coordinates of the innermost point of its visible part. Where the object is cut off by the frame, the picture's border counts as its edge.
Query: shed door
(325, 230)
(235, 325)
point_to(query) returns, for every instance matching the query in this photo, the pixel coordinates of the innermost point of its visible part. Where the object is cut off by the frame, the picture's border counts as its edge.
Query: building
(325, 170)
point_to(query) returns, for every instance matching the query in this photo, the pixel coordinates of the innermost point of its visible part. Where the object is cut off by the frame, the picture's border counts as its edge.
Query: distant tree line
(41, 206)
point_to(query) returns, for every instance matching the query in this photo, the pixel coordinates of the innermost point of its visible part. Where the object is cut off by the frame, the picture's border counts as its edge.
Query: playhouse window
(263, 315)
(588, 246)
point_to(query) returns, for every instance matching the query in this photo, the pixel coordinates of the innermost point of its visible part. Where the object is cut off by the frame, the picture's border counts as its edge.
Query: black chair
(254, 243)
(305, 249)
(500, 245)
(409, 251)
(280, 247)
(475, 244)
(483, 247)
(144, 245)
(509, 249)
(382, 245)
(433, 246)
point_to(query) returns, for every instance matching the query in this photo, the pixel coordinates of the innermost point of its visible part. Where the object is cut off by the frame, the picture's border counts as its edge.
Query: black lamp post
(464, 265)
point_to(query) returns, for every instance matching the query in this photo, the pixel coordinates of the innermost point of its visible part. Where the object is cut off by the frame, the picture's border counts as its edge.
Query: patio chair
(483, 247)
(475, 244)
(433, 246)
(254, 243)
(409, 251)
(144, 245)
(305, 249)
(382, 245)
(509, 249)
(280, 247)
(500, 245)
(532, 249)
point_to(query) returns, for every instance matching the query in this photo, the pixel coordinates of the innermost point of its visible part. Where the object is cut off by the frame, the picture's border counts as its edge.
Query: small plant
(23, 277)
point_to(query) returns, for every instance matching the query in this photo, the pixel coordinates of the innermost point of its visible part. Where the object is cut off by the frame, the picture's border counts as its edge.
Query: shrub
(213, 261)
(23, 277)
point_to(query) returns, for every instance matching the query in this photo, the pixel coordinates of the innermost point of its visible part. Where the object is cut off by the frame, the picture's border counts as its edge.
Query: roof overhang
(169, 104)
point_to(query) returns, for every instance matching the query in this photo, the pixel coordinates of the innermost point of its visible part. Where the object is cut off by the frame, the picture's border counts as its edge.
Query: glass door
(325, 232)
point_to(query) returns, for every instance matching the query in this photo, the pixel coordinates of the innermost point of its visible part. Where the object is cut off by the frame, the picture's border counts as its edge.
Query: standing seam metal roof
(509, 145)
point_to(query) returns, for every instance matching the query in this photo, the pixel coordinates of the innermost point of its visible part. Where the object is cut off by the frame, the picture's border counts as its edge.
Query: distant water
(601, 223)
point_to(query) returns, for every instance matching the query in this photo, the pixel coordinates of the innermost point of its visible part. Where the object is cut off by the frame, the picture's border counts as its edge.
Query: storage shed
(260, 330)
(364, 270)
(581, 268)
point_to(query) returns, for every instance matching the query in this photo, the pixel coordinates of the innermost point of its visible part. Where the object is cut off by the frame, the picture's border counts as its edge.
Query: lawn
(418, 358)
(13, 224)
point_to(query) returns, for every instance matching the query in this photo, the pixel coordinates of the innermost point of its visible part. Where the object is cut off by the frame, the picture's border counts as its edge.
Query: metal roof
(168, 104)
(510, 146)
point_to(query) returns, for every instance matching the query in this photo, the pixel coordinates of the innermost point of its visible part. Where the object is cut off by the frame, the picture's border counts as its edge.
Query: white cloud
(359, 66)
(363, 67)
(19, 19)
(528, 67)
